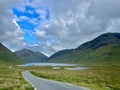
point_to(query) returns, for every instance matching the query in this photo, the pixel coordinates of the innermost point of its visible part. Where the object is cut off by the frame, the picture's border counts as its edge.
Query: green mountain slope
(30, 56)
(7, 57)
(104, 49)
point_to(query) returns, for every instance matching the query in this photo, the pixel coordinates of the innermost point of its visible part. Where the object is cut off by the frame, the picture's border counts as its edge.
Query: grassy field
(11, 79)
(97, 78)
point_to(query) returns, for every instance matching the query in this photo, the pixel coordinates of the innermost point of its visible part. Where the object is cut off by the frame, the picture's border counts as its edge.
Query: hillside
(104, 49)
(7, 57)
(30, 56)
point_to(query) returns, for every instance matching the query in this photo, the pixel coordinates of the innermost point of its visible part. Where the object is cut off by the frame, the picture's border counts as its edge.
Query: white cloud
(24, 18)
(10, 33)
(40, 34)
(74, 22)
(114, 26)
(105, 8)
(71, 23)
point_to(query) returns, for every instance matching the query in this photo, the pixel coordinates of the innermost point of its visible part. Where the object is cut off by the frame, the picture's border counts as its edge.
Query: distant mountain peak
(31, 56)
(105, 49)
(24, 49)
(102, 40)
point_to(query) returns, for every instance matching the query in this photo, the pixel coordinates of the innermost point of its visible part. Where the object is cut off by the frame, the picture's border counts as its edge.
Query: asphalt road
(44, 84)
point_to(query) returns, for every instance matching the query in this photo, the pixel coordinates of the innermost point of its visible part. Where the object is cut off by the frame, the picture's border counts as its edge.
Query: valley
(98, 65)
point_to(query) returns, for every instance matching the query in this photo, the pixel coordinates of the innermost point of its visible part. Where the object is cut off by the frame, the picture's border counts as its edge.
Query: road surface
(44, 84)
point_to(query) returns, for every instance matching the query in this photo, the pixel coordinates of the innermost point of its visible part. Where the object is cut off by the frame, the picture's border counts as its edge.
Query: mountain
(7, 57)
(104, 49)
(30, 56)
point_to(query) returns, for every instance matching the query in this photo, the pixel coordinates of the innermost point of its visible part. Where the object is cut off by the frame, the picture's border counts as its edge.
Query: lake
(72, 68)
(58, 65)
(48, 64)
(77, 68)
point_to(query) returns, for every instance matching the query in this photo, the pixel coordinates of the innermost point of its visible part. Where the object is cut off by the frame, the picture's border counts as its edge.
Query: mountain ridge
(31, 56)
(107, 40)
(92, 51)
(7, 57)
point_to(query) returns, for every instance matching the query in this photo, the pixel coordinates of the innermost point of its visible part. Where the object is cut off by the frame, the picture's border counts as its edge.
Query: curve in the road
(44, 84)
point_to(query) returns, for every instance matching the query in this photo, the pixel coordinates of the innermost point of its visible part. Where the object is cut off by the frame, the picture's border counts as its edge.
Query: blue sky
(49, 26)
(27, 26)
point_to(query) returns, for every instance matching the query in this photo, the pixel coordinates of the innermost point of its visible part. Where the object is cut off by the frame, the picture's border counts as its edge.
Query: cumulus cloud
(105, 8)
(70, 23)
(77, 21)
(10, 33)
(40, 34)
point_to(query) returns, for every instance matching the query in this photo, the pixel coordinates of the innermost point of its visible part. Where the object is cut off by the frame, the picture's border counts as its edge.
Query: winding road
(44, 84)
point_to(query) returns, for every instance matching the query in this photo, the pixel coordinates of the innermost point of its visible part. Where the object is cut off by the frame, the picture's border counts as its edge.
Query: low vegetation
(7, 57)
(96, 78)
(11, 79)
(104, 49)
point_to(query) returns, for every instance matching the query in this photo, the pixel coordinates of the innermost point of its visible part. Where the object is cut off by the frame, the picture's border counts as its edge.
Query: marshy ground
(96, 78)
(11, 79)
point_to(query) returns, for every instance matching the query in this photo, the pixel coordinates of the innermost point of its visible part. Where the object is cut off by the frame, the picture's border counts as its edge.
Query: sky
(48, 26)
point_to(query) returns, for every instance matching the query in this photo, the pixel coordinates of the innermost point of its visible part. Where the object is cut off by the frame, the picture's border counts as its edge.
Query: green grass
(105, 55)
(11, 79)
(98, 78)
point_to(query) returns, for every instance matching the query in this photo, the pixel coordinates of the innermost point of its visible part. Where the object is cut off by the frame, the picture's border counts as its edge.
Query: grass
(11, 79)
(105, 55)
(97, 78)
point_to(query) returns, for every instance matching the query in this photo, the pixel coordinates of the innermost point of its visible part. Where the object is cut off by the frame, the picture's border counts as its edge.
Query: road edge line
(59, 81)
(28, 81)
